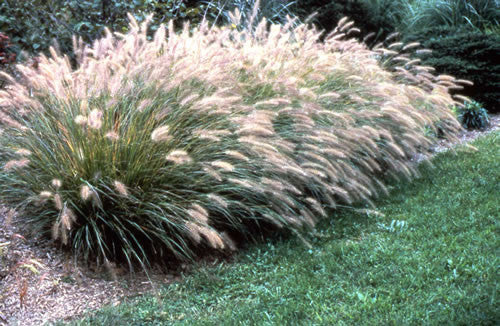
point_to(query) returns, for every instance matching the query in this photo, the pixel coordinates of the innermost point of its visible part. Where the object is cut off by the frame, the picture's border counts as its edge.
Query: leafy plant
(185, 143)
(472, 115)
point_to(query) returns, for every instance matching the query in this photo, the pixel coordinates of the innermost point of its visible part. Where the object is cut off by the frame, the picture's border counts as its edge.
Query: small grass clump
(153, 149)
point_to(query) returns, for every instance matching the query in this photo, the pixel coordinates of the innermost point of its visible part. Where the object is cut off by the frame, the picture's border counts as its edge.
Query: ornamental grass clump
(156, 149)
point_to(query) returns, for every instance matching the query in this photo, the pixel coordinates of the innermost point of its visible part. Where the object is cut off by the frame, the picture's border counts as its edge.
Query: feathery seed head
(188, 99)
(236, 154)
(58, 201)
(464, 82)
(160, 134)
(45, 194)
(144, 104)
(316, 206)
(255, 130)
(111, 135)
(308, 217)
(223, 165)
(120, 188)
(81, 120)
(56, 183)
(194, 232)
(198, 216)
(214, 174)
(67, 218)
(199, 208)
(55, 230)
(8, 218)
(23, 152)
(15, 164)
(95, 119)
(277, 185)
(213, 237)
(423, 51)
(231, 245)
(85, 192)
(219, 200)
(211, 134)
(179, 156)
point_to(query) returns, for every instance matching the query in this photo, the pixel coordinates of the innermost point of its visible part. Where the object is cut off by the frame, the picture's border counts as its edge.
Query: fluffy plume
(120, 188)
(113, 136)
(23, 152)
(15, 164)
(85, 192)
(223, 165)
(95, 119)
(56, 183)
(179, 157)
(160, 134)
(81, 120)
(58, 201)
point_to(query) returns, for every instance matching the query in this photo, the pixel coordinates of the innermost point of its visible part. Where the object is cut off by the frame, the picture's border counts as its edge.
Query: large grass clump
(429, 256)
(153, 149)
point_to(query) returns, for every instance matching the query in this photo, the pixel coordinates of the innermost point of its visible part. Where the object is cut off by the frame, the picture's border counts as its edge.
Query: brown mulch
(40, 284)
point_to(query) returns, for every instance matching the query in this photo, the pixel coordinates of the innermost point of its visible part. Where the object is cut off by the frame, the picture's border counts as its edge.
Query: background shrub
(153, 148)
(378, 17)
(34, 25)
(465, 54)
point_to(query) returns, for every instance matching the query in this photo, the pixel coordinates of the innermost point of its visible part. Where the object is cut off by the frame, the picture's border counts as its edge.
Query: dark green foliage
(33, 25)
(465, 54)
(473, 116)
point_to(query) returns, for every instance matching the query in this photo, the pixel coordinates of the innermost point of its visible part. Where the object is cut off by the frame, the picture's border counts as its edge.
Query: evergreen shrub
(465, 54)
(377, 17)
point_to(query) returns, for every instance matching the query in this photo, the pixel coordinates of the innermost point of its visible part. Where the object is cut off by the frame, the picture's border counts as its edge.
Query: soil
(39, 283)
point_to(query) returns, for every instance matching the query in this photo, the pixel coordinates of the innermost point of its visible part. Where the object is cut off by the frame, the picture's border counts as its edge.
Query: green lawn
(430, 257)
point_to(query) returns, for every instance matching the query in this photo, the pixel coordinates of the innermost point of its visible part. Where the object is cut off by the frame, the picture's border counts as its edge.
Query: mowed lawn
(427, 256)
